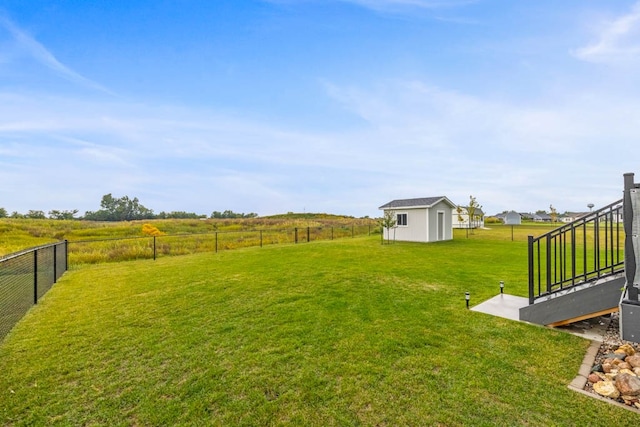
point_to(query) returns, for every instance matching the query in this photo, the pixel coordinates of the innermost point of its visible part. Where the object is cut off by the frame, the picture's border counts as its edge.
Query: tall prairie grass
(92, 242)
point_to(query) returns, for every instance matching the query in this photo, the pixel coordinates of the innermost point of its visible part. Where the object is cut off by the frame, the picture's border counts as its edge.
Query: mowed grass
(347, 332)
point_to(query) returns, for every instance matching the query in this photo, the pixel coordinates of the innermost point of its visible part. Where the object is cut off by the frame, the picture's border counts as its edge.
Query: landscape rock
(627, 349)
(594, 378)
(633, 360)
(628, 384)
(611, 376)
(624, 366)
(606, 389)
(616, 358)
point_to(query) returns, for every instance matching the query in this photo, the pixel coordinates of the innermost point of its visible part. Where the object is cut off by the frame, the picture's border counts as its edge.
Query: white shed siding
(416, 228)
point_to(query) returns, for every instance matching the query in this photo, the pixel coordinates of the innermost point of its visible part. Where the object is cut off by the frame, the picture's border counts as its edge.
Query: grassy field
(345, 332)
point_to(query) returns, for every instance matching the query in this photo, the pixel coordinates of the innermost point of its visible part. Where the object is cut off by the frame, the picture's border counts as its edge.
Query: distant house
(461, 218)
(512, 218)
(572, 216)
(541, 217)
(426, 219)
(526, 216)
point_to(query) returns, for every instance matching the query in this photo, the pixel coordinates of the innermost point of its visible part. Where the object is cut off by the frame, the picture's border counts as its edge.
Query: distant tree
(553, 213)
(179, 215)
(541, 212)
(35, 214)
(459, 212)
(389, 221)
(3, 213)
(231, 214)
(55, 214)
(471, 210)
(16, 214)
(119, 209)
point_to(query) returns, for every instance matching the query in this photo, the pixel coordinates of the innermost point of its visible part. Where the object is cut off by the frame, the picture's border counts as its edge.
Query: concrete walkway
(503, 305)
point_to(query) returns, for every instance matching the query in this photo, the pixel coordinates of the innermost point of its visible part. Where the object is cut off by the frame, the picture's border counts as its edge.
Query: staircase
(587, 268)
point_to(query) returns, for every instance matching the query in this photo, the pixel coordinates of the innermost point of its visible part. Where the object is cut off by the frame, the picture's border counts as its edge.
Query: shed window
(402, 219)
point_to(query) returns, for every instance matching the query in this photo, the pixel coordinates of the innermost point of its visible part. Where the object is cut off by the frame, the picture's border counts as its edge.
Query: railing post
(295, 235)
(66, 255)
(627, 212)
(308, 234)
(630, 263)
(548, 264)
(216, 242)
(531, 274)
(154, 248)
(260, 238)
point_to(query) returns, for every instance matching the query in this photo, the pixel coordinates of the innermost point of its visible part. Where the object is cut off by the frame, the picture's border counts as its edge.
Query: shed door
(440, 225)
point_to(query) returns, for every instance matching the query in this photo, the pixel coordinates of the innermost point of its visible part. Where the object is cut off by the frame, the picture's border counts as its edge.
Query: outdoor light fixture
(467, 297)
(501, 286)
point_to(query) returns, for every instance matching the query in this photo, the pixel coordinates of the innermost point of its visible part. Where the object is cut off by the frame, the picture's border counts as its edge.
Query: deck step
(579, 303)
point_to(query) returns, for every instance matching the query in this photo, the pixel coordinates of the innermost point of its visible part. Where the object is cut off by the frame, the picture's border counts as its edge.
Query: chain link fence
(25, 277)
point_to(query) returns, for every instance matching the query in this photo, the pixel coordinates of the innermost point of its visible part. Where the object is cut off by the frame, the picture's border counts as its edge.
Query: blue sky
(334, 106)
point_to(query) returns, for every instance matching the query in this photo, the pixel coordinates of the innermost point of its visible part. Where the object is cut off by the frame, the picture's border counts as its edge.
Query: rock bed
(616, 369)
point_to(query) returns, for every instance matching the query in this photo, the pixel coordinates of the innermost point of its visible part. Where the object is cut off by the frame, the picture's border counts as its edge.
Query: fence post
(154, 248)
(332, 232)
(308, 234)
(260, 238)
(66, 255)
(352, 230)
(295, 238)
(216, 242)
(55, 262)
(35, 276)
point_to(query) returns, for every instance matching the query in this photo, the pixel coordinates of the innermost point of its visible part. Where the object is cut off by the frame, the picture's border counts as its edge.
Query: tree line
(120, 209)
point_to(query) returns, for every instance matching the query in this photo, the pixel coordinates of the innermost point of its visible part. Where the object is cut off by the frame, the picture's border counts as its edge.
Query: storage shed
(512, 218)
(425, 219)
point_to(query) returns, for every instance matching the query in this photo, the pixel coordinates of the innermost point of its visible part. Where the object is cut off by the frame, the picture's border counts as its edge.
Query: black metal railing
(582, 251)
(25, 277)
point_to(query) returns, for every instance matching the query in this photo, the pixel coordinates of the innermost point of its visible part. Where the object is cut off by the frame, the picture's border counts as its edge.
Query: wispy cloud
(617, 40)
(421, 4)
(41, 54)
(434, 137)
(392, 5)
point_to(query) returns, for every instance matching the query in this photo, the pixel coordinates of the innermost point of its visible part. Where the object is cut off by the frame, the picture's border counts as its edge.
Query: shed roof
(421, 202)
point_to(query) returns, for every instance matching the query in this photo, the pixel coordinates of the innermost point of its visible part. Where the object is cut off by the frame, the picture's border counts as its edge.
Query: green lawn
(345, 332)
